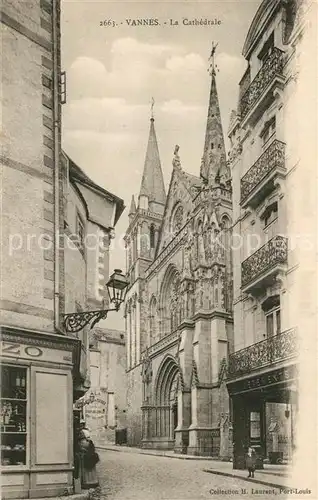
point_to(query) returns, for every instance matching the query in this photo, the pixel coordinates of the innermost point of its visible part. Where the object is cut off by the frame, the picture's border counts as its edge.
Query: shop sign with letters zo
(33, 352)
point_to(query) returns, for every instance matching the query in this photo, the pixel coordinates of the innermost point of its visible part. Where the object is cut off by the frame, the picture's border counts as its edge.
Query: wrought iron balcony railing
(273, 159)
(267, 352)
(272, 67)
(274, 252)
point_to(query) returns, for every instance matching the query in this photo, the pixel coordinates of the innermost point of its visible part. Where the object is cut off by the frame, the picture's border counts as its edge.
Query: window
(268, 131)
(80, 229)
(272, 322)
(267, 48)
(270, 214)
(13, 415)
(152, 236)
(255, 425)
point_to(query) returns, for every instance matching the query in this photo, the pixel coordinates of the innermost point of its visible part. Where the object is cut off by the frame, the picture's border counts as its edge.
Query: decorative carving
(75, 322)
(176, 158)
(195, 377)
(178, 219)
(235, 152)
(146, 372)
(272, 67)
(272, 253)
(164, 343)
(272, 158)
(201, 247)
(271, 350)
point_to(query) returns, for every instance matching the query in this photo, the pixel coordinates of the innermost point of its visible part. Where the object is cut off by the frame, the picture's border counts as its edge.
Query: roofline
(82, 178)
(264, 13)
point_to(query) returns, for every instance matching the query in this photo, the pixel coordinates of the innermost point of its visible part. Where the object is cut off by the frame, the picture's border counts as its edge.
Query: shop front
(37, 372)
(264, 409)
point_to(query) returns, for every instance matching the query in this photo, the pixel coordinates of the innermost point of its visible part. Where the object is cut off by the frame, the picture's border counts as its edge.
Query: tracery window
(177, 220)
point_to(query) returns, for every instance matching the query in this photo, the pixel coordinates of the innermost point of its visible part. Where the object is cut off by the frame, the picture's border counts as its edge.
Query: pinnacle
(152, 184)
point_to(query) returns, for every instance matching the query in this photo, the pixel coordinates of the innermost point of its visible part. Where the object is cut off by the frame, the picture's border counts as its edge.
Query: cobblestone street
(128, 476)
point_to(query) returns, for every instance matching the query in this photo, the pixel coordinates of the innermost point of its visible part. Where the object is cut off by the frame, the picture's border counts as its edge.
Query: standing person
(250, 461)
(88, 458)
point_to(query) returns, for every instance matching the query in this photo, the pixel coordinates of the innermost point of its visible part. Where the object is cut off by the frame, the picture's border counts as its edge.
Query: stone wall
(28, 164)
(134, 403)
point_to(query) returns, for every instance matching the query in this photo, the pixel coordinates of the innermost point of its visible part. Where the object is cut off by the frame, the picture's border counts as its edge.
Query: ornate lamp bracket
(75, 322)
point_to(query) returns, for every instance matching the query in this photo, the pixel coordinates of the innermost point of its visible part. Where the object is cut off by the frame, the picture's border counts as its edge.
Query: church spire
(152, 190)
(213, 165)
(132, 209)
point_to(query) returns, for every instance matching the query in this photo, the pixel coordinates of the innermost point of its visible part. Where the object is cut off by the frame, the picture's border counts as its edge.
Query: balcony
(260, 269)
(273, 350)
(260, 90)
(259, 179)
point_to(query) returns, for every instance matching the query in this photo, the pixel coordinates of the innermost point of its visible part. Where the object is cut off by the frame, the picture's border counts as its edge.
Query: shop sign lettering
(277, 376)
(19, 350)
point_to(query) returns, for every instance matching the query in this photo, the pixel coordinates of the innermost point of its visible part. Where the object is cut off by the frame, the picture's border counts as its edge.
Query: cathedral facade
(178, 312)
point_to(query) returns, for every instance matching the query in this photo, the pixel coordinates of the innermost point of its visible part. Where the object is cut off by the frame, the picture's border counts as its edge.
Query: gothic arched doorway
(166, 411)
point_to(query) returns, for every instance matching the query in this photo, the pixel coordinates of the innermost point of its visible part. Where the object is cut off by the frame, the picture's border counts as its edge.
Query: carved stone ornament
(146, 369)
(176, 158)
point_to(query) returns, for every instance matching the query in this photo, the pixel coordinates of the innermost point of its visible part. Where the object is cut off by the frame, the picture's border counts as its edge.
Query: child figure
(250, 461)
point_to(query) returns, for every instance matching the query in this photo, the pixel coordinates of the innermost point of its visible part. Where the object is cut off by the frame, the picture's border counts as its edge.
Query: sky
(114, 70)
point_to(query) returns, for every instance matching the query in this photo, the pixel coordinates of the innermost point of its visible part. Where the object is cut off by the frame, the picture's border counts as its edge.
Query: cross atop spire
(212, 66)
(151, 109)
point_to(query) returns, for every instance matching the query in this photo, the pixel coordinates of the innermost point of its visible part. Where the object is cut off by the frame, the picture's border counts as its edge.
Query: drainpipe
(56, 138)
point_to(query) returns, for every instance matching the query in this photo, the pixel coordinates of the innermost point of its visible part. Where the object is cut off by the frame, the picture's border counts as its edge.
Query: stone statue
(176, 158)
(201, 249)
(187, 254)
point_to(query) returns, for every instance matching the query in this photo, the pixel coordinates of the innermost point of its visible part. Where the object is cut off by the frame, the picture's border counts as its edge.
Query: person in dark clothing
(250, 461)
(88, 459)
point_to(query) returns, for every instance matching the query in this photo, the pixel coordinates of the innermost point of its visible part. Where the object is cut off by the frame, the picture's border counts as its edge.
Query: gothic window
(170, 301)
(177, 219)
(153, 321)
(152, 236)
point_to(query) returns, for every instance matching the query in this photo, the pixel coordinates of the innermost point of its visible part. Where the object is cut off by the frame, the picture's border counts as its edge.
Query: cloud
(178, 108)
(135, 67)
(230, 64)
(189, 62)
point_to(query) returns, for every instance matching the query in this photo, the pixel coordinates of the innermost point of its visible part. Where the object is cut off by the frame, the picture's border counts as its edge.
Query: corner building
(49, 207)
(264, 156)
(179, 304)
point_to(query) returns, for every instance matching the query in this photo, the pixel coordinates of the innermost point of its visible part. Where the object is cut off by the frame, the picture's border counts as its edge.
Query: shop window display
(13, 415)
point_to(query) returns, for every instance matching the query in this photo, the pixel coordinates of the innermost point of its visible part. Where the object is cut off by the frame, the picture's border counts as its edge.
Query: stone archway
(166, 409)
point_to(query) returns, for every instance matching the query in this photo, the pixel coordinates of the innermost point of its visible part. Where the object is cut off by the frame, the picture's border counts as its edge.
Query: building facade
(105, 408)
(179, 304)
(48, 207)
(264, 156)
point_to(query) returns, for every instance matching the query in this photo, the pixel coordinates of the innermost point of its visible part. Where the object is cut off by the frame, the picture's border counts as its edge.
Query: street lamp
(116, 287)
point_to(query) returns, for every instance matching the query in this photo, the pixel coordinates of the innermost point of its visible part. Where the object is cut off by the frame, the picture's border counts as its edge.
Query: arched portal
(166, 394)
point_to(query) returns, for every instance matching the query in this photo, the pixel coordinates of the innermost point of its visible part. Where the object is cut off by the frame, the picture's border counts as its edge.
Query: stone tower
(141, 238)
